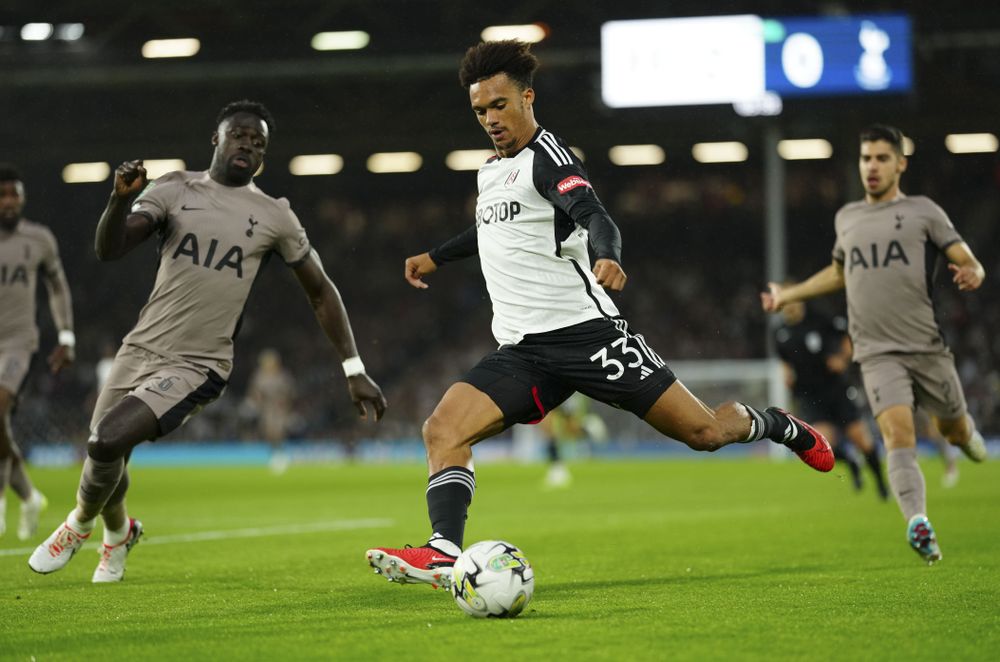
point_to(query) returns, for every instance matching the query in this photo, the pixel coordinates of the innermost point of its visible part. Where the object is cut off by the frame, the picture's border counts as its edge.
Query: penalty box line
(254, 532)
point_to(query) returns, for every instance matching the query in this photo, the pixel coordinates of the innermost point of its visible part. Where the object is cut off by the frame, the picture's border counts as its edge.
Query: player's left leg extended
(680, 415)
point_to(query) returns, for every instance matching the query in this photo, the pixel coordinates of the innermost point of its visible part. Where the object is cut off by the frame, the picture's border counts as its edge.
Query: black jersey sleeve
(559, 176)
(458, 247)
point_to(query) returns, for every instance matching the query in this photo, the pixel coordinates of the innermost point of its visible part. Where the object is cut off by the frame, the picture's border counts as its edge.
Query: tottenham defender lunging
(887, 248)
(215, 228)
(559, 332)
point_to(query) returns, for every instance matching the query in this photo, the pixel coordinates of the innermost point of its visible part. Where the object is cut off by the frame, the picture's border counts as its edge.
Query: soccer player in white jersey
(887, 248)
(215, 230)
(559, 332)
(27, 250)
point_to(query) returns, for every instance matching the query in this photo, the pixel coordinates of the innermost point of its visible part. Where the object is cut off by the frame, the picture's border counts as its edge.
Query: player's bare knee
(438, 435)
(707, 438)
(104, 445)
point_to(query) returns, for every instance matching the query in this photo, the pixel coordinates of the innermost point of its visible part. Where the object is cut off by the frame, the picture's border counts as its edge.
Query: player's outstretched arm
(966, 271)
(118, 232)
(459, 247)
(332, 316)
(826, 280)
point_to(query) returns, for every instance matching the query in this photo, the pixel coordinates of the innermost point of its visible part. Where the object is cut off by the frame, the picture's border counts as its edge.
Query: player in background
(27, 250)
(215, 229)
(815, 353)
(572, 422)
(885, 254)
(558, 330)
(270, 394)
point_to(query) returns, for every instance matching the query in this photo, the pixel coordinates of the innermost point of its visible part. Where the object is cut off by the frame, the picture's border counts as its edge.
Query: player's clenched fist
(416, 268)
(609, 274)
(130, 177)
(771, 301)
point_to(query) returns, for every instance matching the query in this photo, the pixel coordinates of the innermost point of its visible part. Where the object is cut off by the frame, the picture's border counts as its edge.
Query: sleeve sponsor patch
(570, 183)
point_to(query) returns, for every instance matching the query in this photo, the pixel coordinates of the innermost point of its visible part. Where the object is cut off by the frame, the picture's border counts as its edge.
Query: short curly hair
(247, 106)
(9, 173)
(489, 58)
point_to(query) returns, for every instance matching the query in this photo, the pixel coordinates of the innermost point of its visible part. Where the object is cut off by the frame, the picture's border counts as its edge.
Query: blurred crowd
(693, 247)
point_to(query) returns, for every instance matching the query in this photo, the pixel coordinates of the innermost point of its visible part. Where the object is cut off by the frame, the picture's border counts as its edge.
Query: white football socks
(83, 528)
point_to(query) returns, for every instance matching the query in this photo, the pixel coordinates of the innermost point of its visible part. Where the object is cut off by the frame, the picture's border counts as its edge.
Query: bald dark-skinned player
(215, 229)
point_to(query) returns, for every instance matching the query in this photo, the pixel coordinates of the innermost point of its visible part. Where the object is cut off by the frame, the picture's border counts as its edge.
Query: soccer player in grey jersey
(27, 250)
(886, 250)
(559, 331)
(216, 228)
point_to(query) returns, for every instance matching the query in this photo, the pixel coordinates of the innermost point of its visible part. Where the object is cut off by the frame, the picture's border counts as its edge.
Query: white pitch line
(255, 532)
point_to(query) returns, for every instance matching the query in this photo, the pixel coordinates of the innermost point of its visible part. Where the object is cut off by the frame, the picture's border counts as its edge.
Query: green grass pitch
(719, 559)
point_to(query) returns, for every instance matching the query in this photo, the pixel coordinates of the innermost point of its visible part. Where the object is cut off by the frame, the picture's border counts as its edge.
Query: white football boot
(57, 550)
(112, 565)
(975, 447)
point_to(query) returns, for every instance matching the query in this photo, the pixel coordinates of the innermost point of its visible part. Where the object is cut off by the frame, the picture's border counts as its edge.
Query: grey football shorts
(14, 364)
(929, 381)
(173, 389)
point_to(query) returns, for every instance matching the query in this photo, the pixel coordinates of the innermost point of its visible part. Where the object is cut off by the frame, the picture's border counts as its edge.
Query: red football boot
(413, 565)
(818, 454)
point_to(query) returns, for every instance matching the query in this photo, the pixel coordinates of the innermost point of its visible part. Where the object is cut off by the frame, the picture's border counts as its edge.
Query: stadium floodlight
(531, 33)
(383, 162)
(316, 164)
(636, 155)
(468, 159)
(579, 153)
(156, 48)
(36, 31)
(971, 143)
(69, 31)
(908, 146)
(722, 152)
(159, 167)
(81, 173)
(810, 148)
(346, 40)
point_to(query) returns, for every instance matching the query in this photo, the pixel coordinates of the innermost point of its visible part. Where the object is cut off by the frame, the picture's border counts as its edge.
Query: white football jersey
(534, 255)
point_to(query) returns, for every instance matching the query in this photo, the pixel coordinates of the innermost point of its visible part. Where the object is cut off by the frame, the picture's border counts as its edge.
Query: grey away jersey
(24, 253)
(889, 252)
(534, 256)
(213, 241)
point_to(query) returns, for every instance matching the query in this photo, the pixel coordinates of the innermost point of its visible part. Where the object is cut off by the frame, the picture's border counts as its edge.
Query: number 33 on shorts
(616, 367)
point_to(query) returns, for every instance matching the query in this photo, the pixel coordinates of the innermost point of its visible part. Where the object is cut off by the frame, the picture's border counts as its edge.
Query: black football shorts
(600, 358)
(834, 407)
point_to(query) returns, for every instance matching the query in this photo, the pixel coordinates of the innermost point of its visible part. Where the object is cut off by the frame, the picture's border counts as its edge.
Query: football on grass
(492, 579)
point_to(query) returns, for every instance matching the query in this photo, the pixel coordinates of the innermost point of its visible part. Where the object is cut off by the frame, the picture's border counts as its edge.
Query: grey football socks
(907, 482)
(98, 482)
